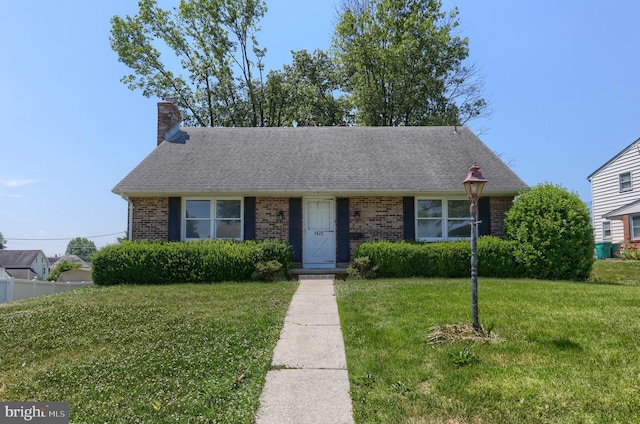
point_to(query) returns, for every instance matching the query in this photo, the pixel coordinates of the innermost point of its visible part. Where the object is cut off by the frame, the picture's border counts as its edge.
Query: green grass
(616, 271)
(567, 352)
(161, 354)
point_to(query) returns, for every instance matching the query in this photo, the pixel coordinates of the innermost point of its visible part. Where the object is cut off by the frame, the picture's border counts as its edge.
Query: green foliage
(216, 46)
(81, 247)
(362, 268)
(273, 250)
(206, 261)
(464, 357)
(556, 226)
(62, 267)
(397, 62)
(3, 242)
(268, 271)
(630, 252)
(404, 63)
(496, 258)
(302, 93)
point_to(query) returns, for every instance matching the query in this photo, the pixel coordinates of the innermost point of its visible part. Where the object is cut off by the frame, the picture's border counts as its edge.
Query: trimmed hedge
(206, 261)
(496, 258)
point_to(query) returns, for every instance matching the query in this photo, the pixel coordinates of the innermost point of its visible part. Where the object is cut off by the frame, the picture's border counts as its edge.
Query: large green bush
(207, 261)
(496, 258)
(557, 226)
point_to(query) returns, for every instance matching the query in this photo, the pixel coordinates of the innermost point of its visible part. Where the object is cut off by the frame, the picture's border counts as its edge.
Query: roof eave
(317, 192)
(616, 156)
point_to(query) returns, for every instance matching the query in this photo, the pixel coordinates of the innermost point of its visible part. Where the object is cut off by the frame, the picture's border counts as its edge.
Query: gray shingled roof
(317, 159)
(18, 258)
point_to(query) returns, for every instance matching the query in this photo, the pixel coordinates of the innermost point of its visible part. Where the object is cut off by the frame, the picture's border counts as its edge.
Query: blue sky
(561, 76)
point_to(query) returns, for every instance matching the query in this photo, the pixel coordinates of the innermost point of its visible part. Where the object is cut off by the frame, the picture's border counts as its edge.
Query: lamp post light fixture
(473, 185)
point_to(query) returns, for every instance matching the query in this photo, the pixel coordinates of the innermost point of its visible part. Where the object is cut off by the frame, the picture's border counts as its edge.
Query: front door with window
(319, 249)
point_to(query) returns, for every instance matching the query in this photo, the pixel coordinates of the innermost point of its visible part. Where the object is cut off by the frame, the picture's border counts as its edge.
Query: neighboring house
(615, 192)
(25, 264)
(72, 259)
(322, 189)
(3, 274)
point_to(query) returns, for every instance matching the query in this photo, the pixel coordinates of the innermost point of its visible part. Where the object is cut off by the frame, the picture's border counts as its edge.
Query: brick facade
(498, 207)
(381, 218)
(150, 218)
(268, 226)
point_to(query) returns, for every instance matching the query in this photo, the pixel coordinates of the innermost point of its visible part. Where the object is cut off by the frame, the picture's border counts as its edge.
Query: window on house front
(625, 181)
(606, 229)
(443, 219)
(213, 218)
(635, 227)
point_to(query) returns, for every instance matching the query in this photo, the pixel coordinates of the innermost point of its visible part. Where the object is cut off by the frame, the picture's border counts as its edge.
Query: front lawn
(616, 272)
(566, 352)
(144, 354)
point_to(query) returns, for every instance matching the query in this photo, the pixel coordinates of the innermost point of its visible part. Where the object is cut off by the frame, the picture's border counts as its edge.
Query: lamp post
(473, 185)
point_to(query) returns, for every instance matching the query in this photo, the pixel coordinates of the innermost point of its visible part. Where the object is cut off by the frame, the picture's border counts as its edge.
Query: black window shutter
(295, 227)
(484, 216)
(342, 226)
(249, 218)
(409, 218)
(175, 216)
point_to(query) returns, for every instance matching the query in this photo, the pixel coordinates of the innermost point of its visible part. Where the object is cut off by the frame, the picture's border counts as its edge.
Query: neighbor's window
(213, 218)
(635, 227)
(606, 229)
(625, 181)
(442, 219)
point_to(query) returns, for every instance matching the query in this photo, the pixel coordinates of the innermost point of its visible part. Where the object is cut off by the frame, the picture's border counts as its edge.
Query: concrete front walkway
(310, 383)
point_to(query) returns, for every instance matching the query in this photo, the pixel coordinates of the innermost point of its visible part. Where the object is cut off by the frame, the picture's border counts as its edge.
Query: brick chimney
(168, 117)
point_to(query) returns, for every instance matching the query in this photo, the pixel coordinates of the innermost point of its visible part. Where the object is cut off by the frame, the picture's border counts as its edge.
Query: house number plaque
(319, 233)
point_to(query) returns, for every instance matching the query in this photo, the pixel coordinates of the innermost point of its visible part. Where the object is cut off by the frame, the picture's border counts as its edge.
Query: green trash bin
(603, 250)
(615, 250)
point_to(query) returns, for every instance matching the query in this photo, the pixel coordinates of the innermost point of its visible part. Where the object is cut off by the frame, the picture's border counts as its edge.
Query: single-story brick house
(323, 189)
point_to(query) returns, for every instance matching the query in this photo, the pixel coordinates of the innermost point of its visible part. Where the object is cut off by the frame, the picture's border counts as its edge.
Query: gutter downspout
(129, 217)
(130, 220)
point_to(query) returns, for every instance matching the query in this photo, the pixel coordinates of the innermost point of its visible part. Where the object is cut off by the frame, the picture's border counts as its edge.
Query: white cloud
(16, 182)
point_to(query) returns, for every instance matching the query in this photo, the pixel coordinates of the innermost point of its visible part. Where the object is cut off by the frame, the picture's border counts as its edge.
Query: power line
(65, 238)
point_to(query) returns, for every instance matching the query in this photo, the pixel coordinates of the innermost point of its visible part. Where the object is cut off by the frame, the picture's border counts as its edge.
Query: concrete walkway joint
(311, 384)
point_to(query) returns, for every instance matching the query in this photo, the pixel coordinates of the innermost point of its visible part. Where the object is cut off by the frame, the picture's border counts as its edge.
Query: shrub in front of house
(556, 225)
(441, 259)
(207, 261)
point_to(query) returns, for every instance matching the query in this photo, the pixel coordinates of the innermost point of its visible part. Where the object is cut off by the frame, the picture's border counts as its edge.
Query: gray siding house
(322, 189)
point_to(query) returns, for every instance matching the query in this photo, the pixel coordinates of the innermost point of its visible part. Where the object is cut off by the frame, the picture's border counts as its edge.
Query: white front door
(319, 248)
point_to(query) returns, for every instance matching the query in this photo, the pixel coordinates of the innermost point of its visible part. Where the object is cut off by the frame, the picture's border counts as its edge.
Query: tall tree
(215, 43)
(304, 93)
(3, 242)
(81, 247)
(404, 64)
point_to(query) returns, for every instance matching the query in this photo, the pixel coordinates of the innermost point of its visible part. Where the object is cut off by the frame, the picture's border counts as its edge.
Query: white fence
(16, 289)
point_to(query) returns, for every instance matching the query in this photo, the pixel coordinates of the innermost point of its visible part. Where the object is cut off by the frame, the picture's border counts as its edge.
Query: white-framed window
(213, 218)
(635, 227)
(625, 181)
(606, 229)
(439, 219)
